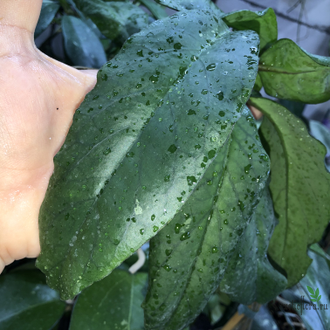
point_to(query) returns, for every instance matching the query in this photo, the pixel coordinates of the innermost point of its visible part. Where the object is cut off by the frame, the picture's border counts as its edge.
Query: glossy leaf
(87, 21)
(297, 108)
(113, 303)
(210, 232)
(116, 20)
(288, 72)
(48, 11)
(27, 302)
(81, 44)
(146, 133)
(189, 4)
(262, 22)
(156, 9)
(300, 187)
(250, 276)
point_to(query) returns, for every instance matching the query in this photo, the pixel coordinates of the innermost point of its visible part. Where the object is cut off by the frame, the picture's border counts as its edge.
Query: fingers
(2, 265)
(256, 113)
(23, 14)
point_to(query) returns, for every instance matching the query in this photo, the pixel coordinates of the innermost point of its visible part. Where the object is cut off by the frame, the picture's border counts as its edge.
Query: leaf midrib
(205, 49)
(272, 69)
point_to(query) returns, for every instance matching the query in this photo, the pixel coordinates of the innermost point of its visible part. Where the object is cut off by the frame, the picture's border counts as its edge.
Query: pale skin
(38, 98)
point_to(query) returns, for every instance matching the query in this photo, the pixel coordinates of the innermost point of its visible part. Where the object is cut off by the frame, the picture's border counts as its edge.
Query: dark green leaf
(249, 276)
(116, 20)
(210, 231)
(88, 21)
(113, 303)
(140, 143)
(156, 9)
(81, 44)
(48, 11)
(288, 72)
(299, 185)
(262, 22)
(189, 4)
(27, 302)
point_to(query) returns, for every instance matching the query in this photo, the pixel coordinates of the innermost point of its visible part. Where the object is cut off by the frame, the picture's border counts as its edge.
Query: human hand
(38, 97)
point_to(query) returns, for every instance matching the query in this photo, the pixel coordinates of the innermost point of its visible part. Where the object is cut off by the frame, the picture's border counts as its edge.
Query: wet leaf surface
(219, 234)
(262, 22)
(288, 72)
(141, 142)
(300, 187)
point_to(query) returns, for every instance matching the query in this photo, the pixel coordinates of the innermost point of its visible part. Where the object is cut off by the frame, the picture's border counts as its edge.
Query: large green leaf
(48, 11)
(208, 239)
(81, 44)
(116, 20)
(300, 187)
(189, 4)
(149, 130)
(288, 72)
(262, 22)
(113, 303)
(27, 302)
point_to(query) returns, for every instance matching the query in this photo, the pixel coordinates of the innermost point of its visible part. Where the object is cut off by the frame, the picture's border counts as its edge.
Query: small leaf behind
(48, 11)
(81, 44)
(262, 22)
(300, 187)
(288, 72)
(27, 302)
(113, 303)
(156, 9)
(189, 4)
(116, 20)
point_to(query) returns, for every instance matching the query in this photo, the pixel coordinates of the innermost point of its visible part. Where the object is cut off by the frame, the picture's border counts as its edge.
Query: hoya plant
(165, 151)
